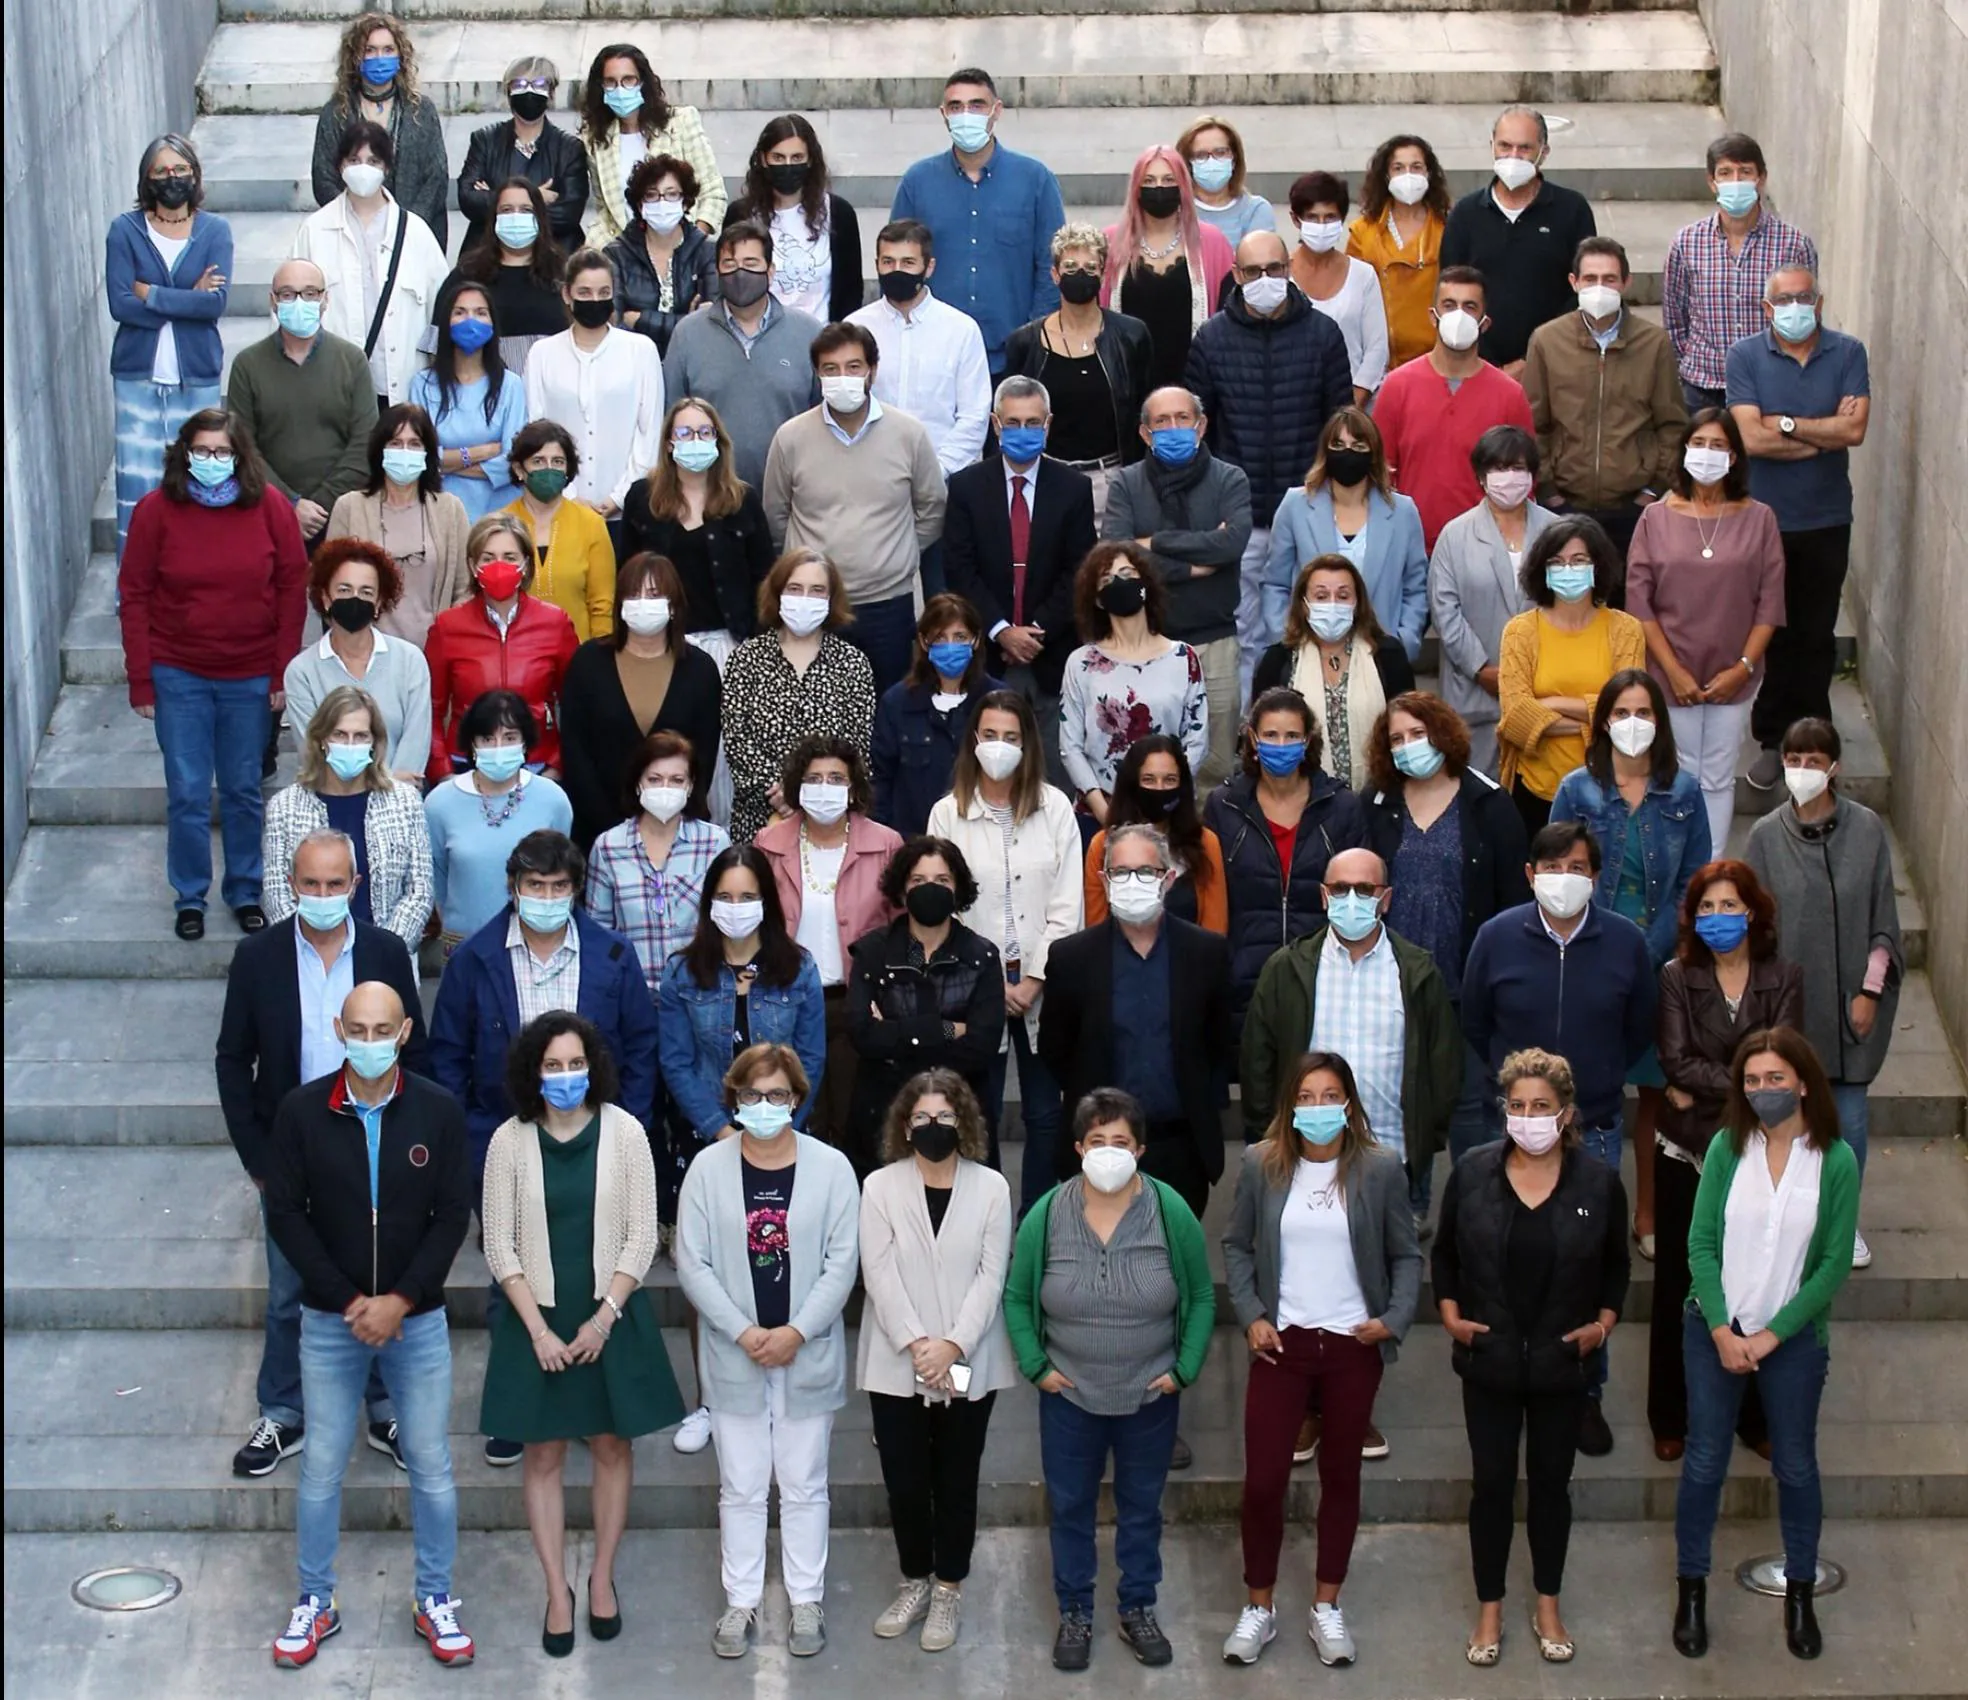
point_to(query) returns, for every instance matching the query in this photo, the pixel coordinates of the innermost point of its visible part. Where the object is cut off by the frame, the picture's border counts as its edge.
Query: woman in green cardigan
(1770, 1246)
(1109, 1306)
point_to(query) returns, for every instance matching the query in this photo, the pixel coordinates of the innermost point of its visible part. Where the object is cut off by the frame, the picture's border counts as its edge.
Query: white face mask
(1706, 466)
(646, 615)
(1108, 1168)
(1563, 895)
(1513, 173)
(1599, 300)
(1322, 236)
(999, 760)
(1632, 736)
(1806, 784)
(1459, 330)
(1135, 896)
(662, 216)
(844, 395)
(822, 802)
(804, 615)
(362, 180)
(737, 917)
(1408, 187)
(665, 802)
(1265, 294)
(1535, 1135)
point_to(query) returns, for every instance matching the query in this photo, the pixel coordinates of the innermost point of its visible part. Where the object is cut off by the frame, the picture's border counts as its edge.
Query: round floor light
(126, 1587)
(1765, 1575)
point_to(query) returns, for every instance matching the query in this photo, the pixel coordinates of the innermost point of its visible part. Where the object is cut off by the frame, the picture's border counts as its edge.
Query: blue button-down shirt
(1806, 494)
(1144, 1041)
(324, 989)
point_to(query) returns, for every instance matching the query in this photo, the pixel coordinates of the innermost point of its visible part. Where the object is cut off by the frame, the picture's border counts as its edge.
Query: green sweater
(310, 422)
(1195, 1304)
(1827, 1261)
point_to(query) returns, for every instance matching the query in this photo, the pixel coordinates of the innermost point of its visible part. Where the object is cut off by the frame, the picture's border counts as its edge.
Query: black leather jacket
(1124, 352)
(693, 280)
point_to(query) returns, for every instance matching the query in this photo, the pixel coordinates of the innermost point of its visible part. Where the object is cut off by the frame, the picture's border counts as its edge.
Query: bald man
(369, 1194)
(306, 398)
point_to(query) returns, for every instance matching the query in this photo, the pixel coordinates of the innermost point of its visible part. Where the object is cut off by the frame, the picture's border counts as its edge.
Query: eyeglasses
(1213, 153)
(629, 82)
(1278, 268)
(931, 1121)
(1359, 888)
(286, 297)
(667, 195)
(173, 174)
(778, 1097)
(1144, 877)
(694, 434)
(1796, 298)
(530, 85)
(210, 454)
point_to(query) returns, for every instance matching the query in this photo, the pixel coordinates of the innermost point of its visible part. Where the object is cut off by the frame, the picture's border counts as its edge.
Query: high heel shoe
(557, 1644)
(1801, 1620)
(1691, 1616)
(604, 1628)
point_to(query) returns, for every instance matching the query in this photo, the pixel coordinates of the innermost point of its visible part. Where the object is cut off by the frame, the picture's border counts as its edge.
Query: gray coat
(1209, 529)
(1386, 1254)
(1472, 595)
(1835, 902)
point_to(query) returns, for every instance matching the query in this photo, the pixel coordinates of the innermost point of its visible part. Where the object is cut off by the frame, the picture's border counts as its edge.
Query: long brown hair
(485, 259)
(973, 1137)
(758, 201)
(1093, 622)
(1359, 423)
(247, 467)
(348, 60)
(1762, 907)
(724, 490)
(1028, 780)
(1298, 625)
(1820, 1113)
(651, 118)
(1281, 1147)
(647, 573)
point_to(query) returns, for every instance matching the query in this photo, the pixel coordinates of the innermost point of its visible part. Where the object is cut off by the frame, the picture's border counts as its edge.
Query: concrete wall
(1858, 105)
(88, 83)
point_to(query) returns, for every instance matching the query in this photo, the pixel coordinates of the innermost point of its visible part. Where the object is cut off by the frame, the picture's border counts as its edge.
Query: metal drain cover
(126, 1587)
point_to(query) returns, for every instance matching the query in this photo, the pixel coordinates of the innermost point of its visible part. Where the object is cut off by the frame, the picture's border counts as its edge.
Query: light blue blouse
(464, 424)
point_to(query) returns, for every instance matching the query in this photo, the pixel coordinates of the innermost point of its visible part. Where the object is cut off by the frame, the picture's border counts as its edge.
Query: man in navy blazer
(285, 988)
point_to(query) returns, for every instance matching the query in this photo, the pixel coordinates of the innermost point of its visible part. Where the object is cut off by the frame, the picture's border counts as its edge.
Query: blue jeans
(279, 1388)
(1039, 1108)
(1073, 1448)
(212, 729)
(417, 1370)
(885, 632)
(1604, 1143)
(1854, 1118)
(1791, 1383)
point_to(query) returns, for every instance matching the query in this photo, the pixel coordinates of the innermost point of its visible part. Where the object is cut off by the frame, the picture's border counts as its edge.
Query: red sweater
(1429, 434)
(468, 657)
(220, 592)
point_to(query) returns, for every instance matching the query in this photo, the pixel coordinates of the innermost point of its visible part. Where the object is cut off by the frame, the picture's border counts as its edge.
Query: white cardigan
(333, 240)
(940, 1286)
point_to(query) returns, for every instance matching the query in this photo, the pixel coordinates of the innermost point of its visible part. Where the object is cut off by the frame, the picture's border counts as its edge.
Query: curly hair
(529, 1050)
(895, 877)
(1553, 1070)
(247, 467)
(1374, 193)
(973, 1136)
(650, 171)
(654, 114)
(1092, 621)
(348, 59)
(828, 746)
(1446, 729)
(340, 552)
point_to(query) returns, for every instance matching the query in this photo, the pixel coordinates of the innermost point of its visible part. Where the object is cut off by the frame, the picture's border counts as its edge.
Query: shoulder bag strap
(389, 281)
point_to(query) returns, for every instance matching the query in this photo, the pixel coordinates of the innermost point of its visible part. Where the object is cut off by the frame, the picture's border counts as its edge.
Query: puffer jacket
(1268, 387)
(693, 280)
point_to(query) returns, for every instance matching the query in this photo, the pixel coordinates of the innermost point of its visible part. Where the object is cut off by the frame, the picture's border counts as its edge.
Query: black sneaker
(1595, 1438)
(267, 1445)
(1072, 1647)
(1180, 1456)
(1141, 1632)
(503, 1454)
(382, 1437)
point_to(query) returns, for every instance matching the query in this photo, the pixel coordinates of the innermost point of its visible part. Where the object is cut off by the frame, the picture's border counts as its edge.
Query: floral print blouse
(1105, 704)
(769, 706)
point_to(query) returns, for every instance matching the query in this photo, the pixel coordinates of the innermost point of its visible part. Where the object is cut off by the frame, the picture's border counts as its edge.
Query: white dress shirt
(933, 365)
(611, 402)
(1766, 1230)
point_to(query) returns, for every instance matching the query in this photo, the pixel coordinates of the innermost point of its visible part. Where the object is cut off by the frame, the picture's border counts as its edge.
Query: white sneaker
(808, 1635)
(909, 1607)
(939, 1634)
(1330, 1641)
(1257, 1628)
(694, 1432)
(1861, 1252)
(736, 1625)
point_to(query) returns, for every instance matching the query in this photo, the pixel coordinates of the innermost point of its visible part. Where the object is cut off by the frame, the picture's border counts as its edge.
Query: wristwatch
(1787, 425)
(464, 455)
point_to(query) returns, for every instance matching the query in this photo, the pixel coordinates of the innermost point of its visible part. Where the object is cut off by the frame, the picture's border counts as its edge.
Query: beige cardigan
(515, 1208)
(940, 1286)
(359, 514)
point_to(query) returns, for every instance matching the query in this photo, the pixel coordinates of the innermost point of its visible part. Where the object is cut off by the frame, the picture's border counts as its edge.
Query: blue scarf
(219, 496)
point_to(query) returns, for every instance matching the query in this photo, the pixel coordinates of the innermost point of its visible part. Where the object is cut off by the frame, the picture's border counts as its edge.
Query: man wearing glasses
(526, 145)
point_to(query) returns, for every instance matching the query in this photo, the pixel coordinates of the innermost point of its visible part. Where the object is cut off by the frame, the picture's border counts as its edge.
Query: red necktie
(1021, 544)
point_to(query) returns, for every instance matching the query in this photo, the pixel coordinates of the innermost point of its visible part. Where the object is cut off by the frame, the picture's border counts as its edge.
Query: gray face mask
(1773, 1107)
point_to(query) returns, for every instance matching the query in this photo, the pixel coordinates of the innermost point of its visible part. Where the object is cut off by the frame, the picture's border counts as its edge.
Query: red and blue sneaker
(437, 1623)
(313, 1621)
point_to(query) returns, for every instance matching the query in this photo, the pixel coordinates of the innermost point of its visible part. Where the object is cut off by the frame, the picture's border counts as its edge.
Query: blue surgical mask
(568, 1091)
(1319, 1124)
(1278, 760)
(499, 761)
(405, 466)
(213, 472)
(1418, 760)
(1212, 176)
(1794, 321)
(1352, 916)
(763, 1120)
(1735, 199)
(1022, 444)
(323, 913)
(950, 659)
(1569, 583)
(379, 69)
(516, 229)
(694, 456)
(1174, 445)
(350, 761)
(1330, 621)
(371, 1058)
(544, 914)
(298, 318)
(1722, 933)
(970, 130)
(624, 103)
(471, 334)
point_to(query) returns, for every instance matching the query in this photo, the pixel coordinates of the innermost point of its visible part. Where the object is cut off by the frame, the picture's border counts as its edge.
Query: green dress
(1630, 900)
(630, 1389)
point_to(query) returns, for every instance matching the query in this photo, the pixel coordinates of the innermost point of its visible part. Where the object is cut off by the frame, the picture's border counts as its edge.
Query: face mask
(950, 659)
(1513, 173)
(350, 761)
(1319, 1124)
(743, 289)
(1022, 444)
(1281, 760)
(1706, 466)
(214, 472)
(379, 69)
(371, 1058)
(1352, 916)
(1458, 330)
(1735, 199)
(471, 335)
(499, 761)
(665, 802)
(737, 917)
(804, 615)
(844, 395)
(500, 580)
(1107, 1168)
(1212, 176)
(516, 230)
(299, 318)
(1162, 200)
(1349, 466)
(1123, 597)
(662, 216)
(1805, 784)
(824, 803)
(1322, 236)
(1078, 288)
(969, 130)
(405, 466)
(591, 314)
(361, 180)
(624, 103)
(1509, 487)
(930, 905)
(1563, 895)
(1174, 445)
(1569, 583)
(788, 179)
(934, 1142)
(1722, 933)
(998, 759)
(1135, 898)
(173, 193)
(1408, 187)
(1794, 321)
(324, 913)
(899, 286)
(1418, 760)
(763, 1120)
(1632, 736)
(530, 106)
(1330, 621)
(1265, 295)
(568, 1091)
(1533, 1135)
(544, 914)
(1599, 301)
(1774, 1105)
(694, 456)
(545, 483)
(646, 615)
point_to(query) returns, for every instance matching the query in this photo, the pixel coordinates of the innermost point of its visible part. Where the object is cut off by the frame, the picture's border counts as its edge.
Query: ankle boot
(1800, 1621)
(1691, 1616)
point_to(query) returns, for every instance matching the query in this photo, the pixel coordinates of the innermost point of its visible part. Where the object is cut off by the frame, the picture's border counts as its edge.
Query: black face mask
(934, 1141)
(1348, 466)
(592, 315)
(1079, 287)
(1123, 596)
(900, 286)
(743, 289)
(529, 106)
(173, 192)
(1162, 200)
(788, 179)
(351, 613)
(1161, 802)
(930, 905)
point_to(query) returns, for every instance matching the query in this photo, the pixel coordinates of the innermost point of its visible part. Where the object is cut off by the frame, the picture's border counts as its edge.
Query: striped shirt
(655, 909)
(1711, 299)
(544, 986)
(1358, 1014)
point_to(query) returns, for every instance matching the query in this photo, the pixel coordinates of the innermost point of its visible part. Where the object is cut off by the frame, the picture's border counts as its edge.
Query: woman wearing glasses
(665, 267)
(526, 145)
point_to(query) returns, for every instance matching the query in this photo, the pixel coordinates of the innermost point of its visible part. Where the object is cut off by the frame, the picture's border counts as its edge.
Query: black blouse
(1082, 407)
(1161, 301)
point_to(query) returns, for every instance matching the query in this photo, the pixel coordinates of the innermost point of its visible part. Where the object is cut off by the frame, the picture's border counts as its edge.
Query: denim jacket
(1674, 844)
(695, 1030)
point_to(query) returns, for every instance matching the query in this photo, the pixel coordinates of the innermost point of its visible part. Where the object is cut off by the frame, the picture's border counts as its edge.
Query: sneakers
(1307, 1447)
(809, 1631)
(945, 1619)
(1141, 1632)
(1257, 1628)
(1180, 1456)
(1595, 1437)
(437, 1623)
(909, 1607)
(503, 1454)
(1765, 770)
(1327, 1627)
(1072, 1647)
(694, 1432)
(383, 1438)
(266, 1446)
(1375, 1445)
(1861, 1252)
(736, 1628)
(311, 1622)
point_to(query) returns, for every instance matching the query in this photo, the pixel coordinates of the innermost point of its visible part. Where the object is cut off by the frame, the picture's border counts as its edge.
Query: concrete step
(135, 1431)
(1276, 58)
(420, 12)
(1645, 150)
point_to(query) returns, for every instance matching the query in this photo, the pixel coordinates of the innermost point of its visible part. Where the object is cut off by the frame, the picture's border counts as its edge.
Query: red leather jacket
(468, 656)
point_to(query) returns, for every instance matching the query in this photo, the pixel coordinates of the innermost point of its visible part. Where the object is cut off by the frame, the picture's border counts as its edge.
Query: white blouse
(1318, 1282)
(1360, 311)
(1766, 1231)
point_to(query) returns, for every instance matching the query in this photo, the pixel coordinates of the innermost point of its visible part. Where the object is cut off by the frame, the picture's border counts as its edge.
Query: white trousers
(1257, 611)
(1708, 738)
(751, 1452)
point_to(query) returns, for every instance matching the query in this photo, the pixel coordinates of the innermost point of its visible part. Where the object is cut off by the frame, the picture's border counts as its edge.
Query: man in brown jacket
(1605, 398)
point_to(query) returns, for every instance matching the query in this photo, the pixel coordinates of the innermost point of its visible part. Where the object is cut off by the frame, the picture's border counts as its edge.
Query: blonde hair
(348, 59)
(509, 523)
(1088, 236)
(345, 699)
(1553, 1070)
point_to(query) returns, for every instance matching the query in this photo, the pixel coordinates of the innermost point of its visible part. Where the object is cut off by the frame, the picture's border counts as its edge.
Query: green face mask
(545, 483)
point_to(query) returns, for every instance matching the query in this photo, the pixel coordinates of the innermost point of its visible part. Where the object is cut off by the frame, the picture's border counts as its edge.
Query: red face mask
(500, 580)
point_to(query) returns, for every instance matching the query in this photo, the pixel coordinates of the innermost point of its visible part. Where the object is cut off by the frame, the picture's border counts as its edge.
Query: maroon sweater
(220, 592)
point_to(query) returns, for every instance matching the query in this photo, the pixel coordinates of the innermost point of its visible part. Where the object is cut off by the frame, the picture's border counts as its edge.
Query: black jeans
(1667, 1375)
(930, 1457)
(1549, 1424)
(1533, 810)
(1618, 524)
(1171, 1157)
(1803, 654)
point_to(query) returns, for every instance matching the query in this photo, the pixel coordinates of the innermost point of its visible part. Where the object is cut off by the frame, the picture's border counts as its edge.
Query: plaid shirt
(655, 909)
(1358, 1014)
(544, 986)
(1711, 298)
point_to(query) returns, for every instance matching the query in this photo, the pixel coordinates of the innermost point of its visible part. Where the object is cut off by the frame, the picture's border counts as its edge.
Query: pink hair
(1124, 240)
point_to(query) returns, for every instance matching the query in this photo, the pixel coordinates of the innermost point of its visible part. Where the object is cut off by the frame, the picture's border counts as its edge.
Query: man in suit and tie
(285, 988)
(1014, 534)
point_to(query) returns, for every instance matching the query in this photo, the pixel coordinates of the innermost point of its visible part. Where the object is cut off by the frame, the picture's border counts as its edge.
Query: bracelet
(609, 1300)
(464, 458)
(1747, 665)
(544, 1331)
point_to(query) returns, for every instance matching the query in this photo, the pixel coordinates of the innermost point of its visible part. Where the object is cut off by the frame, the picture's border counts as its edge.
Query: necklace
(1707, 537)
(498, 812)
(806, 869)
(1066, 340)
(1149, 252)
